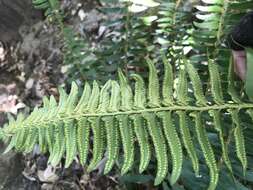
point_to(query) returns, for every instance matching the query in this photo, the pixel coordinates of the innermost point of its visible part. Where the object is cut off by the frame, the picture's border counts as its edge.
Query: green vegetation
(189, 113)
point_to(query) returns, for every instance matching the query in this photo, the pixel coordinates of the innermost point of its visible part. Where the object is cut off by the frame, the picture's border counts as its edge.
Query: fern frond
(126, 93)
(115, 114)
(93, 102)
(160, 147)
(172, 32)
(42, 140)
(217, 124)
(115, 97)
(174, 145)
(215, 82)
(112, 138)
(239, 139)
(31, 140)
(182, 87)
(240, 147)
(99, 142)
(70, 132)
(59, 146)
(126, 131)
(20, 140)
(104, 98)
(140, 92)
(50, 131)
(212, 16)
(83, 137)
(83, 102)
(142, 137)
(153, 87)
(188, 144)
(207, 150)
(167, 88)
(213, 24)
(197, 86)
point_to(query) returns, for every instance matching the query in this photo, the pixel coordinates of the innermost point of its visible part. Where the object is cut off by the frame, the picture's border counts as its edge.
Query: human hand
(240, 38)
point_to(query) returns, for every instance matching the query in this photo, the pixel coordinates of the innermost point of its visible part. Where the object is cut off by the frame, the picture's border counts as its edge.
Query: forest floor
(31, 67)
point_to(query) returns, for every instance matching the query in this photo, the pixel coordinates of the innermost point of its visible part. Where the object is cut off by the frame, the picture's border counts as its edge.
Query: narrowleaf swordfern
(116, 116)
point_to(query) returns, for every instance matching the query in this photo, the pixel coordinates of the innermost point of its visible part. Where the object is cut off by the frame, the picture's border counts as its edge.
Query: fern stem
(171, 108)
(58, 118)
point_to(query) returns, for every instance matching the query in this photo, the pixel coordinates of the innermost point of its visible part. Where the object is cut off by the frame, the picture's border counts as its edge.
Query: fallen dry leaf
(48, 175)
(9, 104)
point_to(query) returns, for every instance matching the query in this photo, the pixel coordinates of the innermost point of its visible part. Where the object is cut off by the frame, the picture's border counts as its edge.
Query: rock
(12, 15)
(10, 170)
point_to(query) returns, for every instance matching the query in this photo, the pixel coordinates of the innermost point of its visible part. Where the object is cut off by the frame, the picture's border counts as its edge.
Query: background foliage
(176, 30)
